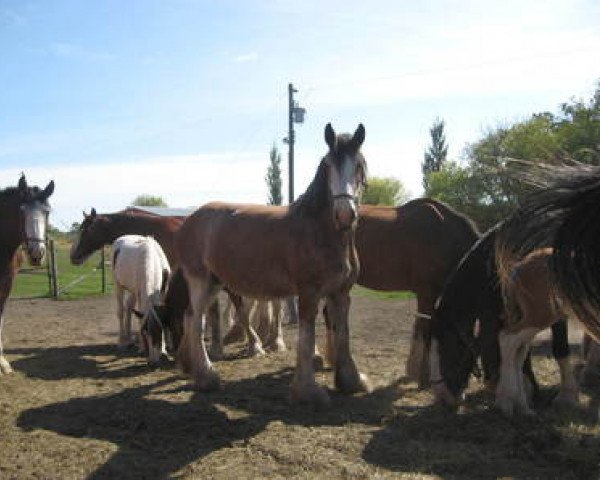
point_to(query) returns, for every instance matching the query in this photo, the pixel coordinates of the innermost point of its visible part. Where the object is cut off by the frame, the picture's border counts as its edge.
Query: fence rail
(58, 278)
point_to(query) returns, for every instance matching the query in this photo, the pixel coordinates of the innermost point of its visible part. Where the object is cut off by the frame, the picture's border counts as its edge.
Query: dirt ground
(78, 408)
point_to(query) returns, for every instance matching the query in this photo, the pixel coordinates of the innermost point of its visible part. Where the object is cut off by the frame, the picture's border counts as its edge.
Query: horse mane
(316, 197)
(563, 214)
(8, 193)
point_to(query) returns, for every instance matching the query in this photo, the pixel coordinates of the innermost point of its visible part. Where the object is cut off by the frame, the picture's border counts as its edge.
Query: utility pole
(295, 115)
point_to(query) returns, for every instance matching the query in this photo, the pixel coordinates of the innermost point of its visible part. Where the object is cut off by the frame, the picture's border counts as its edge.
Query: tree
(436, 153)
(273, 177)
(146, 200)
(384, 191)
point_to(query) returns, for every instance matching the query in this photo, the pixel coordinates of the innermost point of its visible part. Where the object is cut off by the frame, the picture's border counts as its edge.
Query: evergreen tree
(435, 155)
(273, 177)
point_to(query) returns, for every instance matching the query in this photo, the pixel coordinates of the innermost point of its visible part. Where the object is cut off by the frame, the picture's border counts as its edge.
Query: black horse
(472, 293)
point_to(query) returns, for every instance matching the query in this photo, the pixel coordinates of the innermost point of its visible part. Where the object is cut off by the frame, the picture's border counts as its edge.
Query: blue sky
(184, 98)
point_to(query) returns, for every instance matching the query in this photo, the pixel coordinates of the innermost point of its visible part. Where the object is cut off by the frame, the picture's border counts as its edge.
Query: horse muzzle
(36, 251)
(344, 212)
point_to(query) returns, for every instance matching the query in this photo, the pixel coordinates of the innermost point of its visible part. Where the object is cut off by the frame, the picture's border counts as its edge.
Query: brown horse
(23, 218)
(306, 249)
(98, 230)
(411, 247)
(531, 306)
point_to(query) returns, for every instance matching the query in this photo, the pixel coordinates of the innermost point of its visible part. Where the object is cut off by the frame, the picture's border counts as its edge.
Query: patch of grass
(367, 292)
(73, 281)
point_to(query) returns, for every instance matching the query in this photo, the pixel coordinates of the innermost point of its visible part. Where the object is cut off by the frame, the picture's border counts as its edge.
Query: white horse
(140, 268)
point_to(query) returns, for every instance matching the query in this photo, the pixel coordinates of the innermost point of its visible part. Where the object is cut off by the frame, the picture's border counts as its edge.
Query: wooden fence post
(54, 270)
(103, 268)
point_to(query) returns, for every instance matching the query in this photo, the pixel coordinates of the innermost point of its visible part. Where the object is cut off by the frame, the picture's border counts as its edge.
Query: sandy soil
(78, 408)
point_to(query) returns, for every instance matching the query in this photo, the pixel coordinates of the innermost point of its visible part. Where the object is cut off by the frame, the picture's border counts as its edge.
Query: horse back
(411, 247)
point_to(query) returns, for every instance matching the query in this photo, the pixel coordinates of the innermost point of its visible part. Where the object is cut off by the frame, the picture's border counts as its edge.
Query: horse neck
(162, 229)
(134, 224)
(12, 232)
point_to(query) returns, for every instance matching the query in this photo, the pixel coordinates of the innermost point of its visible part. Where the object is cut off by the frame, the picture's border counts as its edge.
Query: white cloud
(70, 50)
(183, 181)
(246, 57)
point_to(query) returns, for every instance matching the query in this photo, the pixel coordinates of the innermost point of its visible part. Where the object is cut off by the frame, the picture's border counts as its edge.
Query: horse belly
(253, 275)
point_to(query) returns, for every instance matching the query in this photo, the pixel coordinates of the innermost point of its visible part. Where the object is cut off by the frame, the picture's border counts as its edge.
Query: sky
(184, 98)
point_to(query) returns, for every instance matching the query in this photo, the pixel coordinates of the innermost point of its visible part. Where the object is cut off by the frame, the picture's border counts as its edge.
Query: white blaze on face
(344, 184)
(35, 230)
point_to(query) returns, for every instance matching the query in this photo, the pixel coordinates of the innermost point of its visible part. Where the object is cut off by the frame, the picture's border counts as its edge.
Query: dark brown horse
(306, 249)
(23, 218)
(98, 230)
(413, 247)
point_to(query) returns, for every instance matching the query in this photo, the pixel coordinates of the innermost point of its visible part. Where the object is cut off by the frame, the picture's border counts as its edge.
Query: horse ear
(93, 213)
(330, 136)
(359, 136)
(49, 190)
(22, 183)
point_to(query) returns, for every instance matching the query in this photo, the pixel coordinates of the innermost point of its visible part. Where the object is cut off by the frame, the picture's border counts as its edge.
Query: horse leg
(589, 375)
(216, 337)
(510, 392)
(292, 310)
(489, 328)
(262, 320)
(304, 388)
(192, 355)
(523, 393)
(246, 310)
(569, 391)
(532, 387)
(236, 331)
(441, 393)
(124, 336)
(330, 336)
(417, 365)
(347, 377)
(275, 341)
(5, 287)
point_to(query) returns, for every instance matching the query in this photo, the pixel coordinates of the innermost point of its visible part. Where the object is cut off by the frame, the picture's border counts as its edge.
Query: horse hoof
(313, 395)
(353, 383)
(318, 363)
(505, 405)
(443, 396)
(255, 350)
(216, 354)
(234, 335)
(589, 378)
(566, 399)
(207, 381)
(5, 367)
(277, 346)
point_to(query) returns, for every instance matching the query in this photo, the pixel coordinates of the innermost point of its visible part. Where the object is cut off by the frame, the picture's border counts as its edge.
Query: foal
(23, 218)
(306, 249)
(531, 306)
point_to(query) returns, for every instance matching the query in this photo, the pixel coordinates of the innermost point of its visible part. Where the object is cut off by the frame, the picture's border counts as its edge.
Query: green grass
(367, 292)
(33, 282)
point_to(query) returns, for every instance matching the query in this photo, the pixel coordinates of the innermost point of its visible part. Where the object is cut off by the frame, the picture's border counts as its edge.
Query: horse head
(457, 352)
(91, 237)
(35, 209)
(346, 174)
